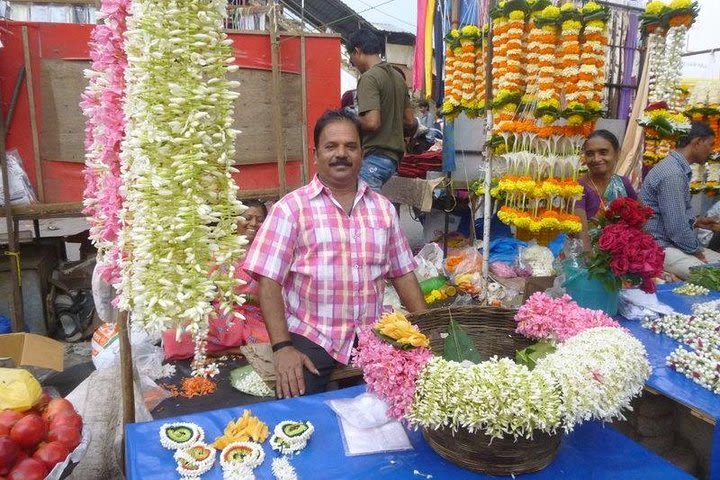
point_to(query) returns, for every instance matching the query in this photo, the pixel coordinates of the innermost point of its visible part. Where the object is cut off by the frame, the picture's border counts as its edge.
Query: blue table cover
(592, 451)
(667, 381)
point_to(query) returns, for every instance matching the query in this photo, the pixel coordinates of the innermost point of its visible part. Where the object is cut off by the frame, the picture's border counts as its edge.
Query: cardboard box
(415, 192)
(537, 284)
(32, 349)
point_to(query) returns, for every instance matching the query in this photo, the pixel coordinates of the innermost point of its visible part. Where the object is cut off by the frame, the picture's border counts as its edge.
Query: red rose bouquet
(623, 249)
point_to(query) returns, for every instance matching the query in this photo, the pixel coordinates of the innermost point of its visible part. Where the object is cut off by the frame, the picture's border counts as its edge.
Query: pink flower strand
(102, 104)
(557, 319)
(390, 372)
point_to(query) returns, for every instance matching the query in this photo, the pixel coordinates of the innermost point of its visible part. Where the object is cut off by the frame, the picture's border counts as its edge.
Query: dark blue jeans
(377, 169)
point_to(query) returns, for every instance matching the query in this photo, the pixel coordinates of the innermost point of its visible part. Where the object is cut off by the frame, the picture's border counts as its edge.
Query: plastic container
(589, 291)
(5, 326)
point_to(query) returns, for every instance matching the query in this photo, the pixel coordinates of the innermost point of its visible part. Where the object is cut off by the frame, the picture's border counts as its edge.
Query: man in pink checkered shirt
(321, 259)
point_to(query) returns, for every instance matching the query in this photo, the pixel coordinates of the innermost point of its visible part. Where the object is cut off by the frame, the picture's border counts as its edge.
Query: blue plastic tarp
(670, 383)
(592, 451)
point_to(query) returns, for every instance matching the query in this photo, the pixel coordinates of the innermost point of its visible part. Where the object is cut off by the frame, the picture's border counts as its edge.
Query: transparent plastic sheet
(365, 427)
(429, 262)
(103, 296)
(21, 191)
(75, 456)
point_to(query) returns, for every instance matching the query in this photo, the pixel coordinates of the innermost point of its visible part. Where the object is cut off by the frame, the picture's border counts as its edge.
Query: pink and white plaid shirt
(332, 266)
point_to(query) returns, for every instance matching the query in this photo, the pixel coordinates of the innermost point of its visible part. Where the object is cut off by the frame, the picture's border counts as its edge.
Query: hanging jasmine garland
(181, 209)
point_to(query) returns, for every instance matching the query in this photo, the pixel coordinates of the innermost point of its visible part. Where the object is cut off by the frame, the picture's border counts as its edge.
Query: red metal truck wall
(63, 180)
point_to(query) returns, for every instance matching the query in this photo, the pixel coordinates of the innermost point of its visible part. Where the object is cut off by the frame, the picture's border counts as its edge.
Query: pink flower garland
(390, 372)
(102, 104)
(557, 319)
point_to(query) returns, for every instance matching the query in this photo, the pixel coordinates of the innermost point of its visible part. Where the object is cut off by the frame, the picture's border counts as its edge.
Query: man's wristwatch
(281, 345)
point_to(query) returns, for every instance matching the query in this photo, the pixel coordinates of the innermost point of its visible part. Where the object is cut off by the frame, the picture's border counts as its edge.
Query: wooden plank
(46, 210)
(33, 119)
(303, 104)
(63, 124)
(16, 305)
(255, 144)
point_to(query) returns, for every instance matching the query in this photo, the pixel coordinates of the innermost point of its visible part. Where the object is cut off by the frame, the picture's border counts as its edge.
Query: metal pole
(488, 151)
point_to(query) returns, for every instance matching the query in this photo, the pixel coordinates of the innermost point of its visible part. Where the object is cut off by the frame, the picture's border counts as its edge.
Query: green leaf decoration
(705, 276)
(458, 346)
(530, 355)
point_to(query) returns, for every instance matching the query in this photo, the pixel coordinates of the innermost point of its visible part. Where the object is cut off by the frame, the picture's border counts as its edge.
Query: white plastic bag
(429, 262)
(103, 295)
(21, 192)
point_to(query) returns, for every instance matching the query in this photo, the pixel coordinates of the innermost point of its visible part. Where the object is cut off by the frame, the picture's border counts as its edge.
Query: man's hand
(700, 256)
(708, 223)
(289, 363)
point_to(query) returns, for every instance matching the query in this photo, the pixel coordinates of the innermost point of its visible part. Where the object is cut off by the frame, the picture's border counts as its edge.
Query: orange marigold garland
(569, 74)
(592, 59)
(453, 95)
(548, 94)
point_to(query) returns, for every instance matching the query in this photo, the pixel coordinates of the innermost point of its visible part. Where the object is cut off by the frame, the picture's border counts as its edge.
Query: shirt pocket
(374, 244)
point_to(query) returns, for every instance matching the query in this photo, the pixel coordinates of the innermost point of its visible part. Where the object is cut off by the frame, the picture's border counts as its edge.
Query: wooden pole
(454, 13)
(13, 253)
(303, 96)
(303, 100)
(33, 119)
(276, 99)
(126, 370)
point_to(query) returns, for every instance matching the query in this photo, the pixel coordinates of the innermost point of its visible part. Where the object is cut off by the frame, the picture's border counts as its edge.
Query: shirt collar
(682, 162)
(317, 187)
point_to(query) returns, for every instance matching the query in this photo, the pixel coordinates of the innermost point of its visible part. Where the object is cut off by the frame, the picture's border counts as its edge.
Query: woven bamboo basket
(493, 333)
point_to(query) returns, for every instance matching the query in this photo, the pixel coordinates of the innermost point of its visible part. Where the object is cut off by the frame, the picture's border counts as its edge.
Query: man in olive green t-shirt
(386, 116)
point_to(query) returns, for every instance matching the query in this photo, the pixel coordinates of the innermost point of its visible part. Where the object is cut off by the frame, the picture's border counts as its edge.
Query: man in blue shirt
(666, 190)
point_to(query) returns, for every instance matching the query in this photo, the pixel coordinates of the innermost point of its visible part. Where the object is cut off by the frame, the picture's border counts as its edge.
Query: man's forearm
(273, 309)
(408, 289)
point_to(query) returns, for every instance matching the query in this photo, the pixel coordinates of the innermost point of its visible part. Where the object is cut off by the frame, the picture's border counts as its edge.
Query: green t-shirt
(383, 88)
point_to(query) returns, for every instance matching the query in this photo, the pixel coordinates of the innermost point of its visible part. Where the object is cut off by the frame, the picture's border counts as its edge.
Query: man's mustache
(341, 162)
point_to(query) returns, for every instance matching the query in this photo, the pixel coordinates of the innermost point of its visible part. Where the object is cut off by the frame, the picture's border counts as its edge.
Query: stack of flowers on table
(699, 357)
(623, 254)
(588, 369)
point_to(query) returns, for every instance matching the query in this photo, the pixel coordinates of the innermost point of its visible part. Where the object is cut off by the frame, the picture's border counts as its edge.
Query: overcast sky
(703, 35)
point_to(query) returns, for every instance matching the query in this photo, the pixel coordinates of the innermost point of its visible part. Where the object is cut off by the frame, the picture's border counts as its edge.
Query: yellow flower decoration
(550, 12)
(397, 327)
(591, 7)
(567, 7)
(678, 4)
(655, 7)
(517, 15)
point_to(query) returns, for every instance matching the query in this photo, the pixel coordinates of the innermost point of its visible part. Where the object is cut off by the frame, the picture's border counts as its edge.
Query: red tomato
(66, 418)
(29, 431)
(9, 451)
(28, 469)
(70, 436)
(55, 406)
(4, 430)
(51, 454)
(8, 418)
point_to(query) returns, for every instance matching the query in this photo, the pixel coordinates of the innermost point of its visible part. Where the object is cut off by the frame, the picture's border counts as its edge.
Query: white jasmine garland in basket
(181, 209)
(592, 375)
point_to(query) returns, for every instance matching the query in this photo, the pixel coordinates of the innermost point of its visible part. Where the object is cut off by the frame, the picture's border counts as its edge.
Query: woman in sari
(601, 184)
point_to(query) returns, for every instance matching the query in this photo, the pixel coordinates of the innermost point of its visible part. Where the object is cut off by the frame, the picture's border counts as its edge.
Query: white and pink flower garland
(102, 104)
(179, 236)
(593, 374)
